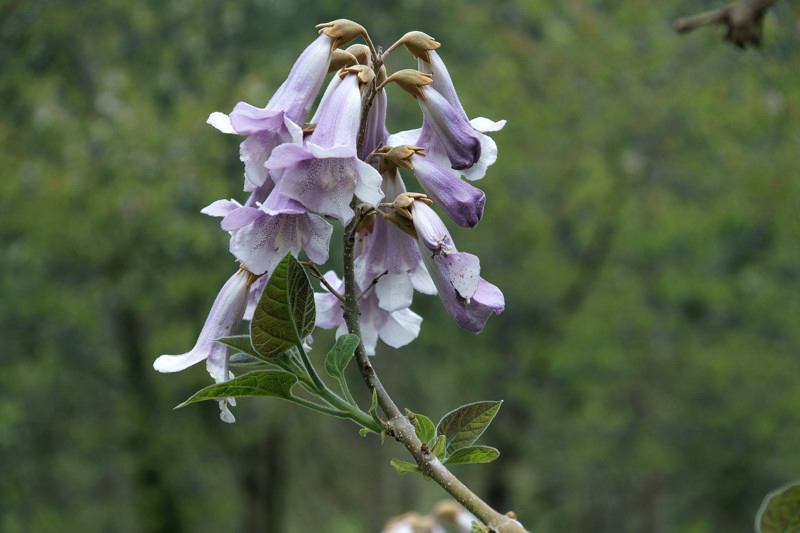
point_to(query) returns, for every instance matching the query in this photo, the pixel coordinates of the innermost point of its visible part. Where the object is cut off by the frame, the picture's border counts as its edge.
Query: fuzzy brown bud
(410, 81)
(341, 59)
(342, 30)
(418, 44)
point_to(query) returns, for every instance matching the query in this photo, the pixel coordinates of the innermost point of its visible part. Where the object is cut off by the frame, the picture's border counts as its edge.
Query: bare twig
(744, 21)
(372, 284)
(317, 274)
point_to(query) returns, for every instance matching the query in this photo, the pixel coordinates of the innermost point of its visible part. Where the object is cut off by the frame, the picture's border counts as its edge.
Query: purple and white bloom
(325, 171)
(460, 201)
(453, 130)
(281, 120)
(468, 298)
(261, 235)
(384, 248)
(428, 136)
(395, 328)
(223, 320)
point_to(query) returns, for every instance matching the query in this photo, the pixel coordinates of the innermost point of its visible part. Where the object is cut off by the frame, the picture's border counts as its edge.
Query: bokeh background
(642, 221)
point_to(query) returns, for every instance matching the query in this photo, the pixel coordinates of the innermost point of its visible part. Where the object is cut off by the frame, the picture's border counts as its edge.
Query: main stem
(397, 424)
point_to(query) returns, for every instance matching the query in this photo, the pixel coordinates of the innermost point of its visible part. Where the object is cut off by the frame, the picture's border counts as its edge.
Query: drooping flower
(280, 121)
(395, 328)
(386, 253)
(423, 47)
(263, 234)
(468, 298)
(223, 320)
(460, 201)
(453, 130)
(325, 171)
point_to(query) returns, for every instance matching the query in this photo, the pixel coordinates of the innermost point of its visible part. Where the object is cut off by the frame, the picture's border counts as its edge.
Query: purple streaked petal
(470, 315)
(278, 204)
(240, 217)
(452, 128)
(256, 289)
(223, 320)
(376, 132)
(460, 201)
(297, 94)
(431, 231)
(220, 208)
(463, 271)
(261, 245)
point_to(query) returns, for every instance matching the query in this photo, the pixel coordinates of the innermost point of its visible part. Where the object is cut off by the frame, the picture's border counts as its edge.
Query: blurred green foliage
(642, 220)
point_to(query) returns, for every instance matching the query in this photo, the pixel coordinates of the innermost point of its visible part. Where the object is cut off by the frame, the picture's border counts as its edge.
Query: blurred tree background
(642, 221)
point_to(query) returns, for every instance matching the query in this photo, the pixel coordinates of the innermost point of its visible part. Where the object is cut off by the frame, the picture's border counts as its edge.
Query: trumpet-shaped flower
(386, 253)
(460, 201)
(325, 172)
(223, 320)
(279, 122)
(395, 328)
(262, 235)
(468, 298)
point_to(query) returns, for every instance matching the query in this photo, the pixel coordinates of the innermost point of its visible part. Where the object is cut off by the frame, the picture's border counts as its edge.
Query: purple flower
(460, 201)
(262, 235)
(453, 130)
(324, 173)
(279, 122)
(381, 248)
(395, 328)
(223, 320)
(429, 137)
(468, 298)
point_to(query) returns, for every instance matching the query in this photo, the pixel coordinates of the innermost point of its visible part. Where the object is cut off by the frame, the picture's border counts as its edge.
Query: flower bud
(411, 81)
(342, 31)
(418, 44)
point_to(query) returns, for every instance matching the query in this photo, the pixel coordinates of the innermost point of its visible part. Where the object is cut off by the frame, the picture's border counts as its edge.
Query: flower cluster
(302, 174)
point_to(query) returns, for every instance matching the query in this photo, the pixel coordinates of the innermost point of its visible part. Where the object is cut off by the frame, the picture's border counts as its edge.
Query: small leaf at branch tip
(418, 44)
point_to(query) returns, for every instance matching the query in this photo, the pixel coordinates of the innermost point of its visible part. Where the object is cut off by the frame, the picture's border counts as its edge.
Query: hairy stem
(397, 424)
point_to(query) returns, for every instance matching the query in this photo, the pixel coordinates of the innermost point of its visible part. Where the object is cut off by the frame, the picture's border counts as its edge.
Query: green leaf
(284, 316)
(424, 428)
(243, 359)
(780, 511)
(472, 454)
(257, 383)
(240, 343)
(439, 448)
(373, 409)
(403, 467)
(340, 355)
(477, 527)
(463, 426)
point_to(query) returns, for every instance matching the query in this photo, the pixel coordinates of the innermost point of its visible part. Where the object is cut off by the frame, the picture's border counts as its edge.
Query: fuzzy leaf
(403, 467)
(439, 448)
(463, 426)
(240, 343)
(472, 454)
(274, 383)
(780, 511)
(424, 428)
(243, 359)
(340, 355)
(285, 314)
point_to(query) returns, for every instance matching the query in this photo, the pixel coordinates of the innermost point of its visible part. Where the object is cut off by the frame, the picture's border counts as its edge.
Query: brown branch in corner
(744, 21)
